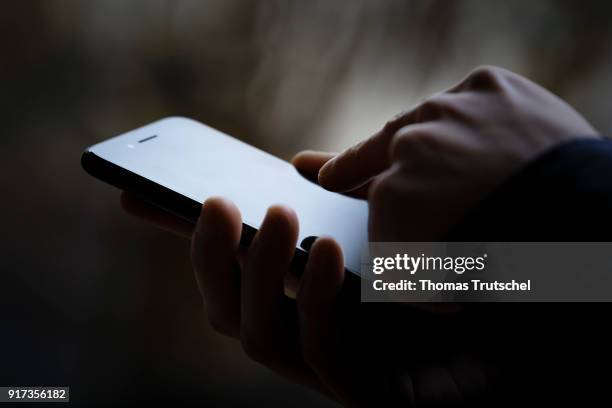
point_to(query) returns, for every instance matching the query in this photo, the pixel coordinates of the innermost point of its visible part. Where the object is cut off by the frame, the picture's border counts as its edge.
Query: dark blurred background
(108, 305)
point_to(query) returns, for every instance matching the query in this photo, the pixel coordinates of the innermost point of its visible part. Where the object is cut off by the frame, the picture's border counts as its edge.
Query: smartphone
(177, 163)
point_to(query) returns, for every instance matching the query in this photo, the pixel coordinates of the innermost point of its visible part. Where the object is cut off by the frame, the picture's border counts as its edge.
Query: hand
(358, 354)
(421, 173)
(430, 165)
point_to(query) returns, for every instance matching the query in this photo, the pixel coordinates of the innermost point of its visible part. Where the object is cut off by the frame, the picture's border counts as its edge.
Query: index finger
(357, 165)
(308, 163)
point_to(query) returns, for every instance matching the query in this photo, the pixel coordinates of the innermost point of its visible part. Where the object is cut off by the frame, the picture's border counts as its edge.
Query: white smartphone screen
(198, 162)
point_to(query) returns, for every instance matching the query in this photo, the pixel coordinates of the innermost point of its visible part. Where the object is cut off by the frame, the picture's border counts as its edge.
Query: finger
(137, 207)
(483, 78)
(322, 280)
(263, 298)
(213, 253)
(328, 346)
(359, 164)
(308, 163)
(268, 330)
(356, 166)
(321, 283)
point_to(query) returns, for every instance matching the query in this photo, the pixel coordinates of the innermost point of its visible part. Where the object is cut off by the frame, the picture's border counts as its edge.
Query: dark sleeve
(565, 195)
(551, 350)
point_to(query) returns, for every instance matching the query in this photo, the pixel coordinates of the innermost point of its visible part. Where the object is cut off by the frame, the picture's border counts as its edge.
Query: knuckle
(484, 71)
(429, 109)
(407, 142)
(432, 104)
(393, 123)
(486, 76)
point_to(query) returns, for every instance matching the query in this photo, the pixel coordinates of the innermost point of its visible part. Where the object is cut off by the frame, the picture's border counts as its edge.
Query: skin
(421, 173)
(430, 165)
